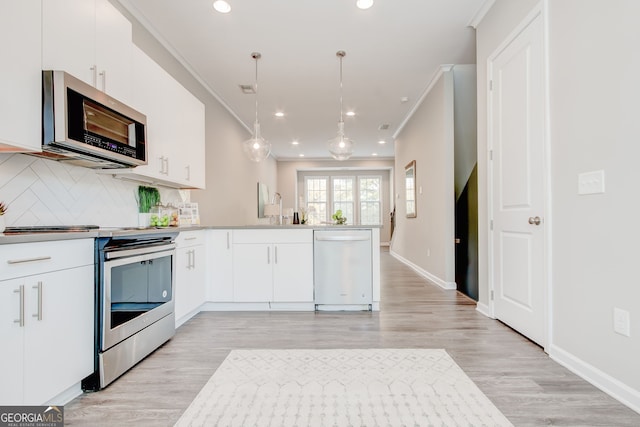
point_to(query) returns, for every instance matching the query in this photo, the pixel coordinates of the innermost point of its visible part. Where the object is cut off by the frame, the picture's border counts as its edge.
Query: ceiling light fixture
(222, 6)
(279, 114)
(364, 4)
(350, 113)
(382, 141)
(256, 148)
(341, 147)
(295, 143)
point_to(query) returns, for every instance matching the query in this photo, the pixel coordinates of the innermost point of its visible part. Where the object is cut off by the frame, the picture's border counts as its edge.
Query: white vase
(2, 223)
(144, 219)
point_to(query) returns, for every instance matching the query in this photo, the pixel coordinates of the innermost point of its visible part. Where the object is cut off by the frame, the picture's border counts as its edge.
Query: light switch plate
(591, 182)
(621, 322)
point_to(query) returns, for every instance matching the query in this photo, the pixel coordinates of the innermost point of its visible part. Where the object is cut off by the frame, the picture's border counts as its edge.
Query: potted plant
(338, 218)
(147, 198)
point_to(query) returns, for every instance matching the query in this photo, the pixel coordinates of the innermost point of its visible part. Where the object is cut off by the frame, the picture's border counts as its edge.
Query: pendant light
(256, 148)
(341, 147)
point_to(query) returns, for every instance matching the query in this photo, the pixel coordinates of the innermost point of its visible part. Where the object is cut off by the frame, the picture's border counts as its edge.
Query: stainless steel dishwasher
(342, 269)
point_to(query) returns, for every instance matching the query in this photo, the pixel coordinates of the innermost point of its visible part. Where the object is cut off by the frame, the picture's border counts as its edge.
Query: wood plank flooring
(520, 379)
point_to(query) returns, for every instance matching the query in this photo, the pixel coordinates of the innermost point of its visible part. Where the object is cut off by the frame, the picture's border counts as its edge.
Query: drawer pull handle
(38, 287)
(20, 291)
(21, 261)
(190, 238)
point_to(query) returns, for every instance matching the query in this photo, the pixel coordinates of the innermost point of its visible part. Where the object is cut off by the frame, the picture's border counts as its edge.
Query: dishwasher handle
(343, 238)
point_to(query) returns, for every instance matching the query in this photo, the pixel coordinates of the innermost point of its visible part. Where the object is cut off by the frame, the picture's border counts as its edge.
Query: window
(370, 200)
(317, 199)
(358, 197)
(343, 197)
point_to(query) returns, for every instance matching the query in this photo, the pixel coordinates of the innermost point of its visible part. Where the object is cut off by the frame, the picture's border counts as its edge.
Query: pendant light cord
(256, 56)
(341, 55)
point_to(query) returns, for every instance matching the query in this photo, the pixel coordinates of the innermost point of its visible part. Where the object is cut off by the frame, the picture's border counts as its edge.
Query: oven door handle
(139, 251)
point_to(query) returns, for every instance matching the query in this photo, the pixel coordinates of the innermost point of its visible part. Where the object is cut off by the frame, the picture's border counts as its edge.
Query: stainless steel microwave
(84, 126)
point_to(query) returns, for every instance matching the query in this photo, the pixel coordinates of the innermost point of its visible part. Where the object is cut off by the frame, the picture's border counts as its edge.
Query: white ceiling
(393, 50)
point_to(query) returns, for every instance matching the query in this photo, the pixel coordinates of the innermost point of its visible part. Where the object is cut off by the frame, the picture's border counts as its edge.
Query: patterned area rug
(382, 387)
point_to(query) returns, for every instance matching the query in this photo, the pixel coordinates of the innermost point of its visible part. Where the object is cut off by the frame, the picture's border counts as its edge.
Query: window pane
(343, 198)
(370, 201)
(316, 195)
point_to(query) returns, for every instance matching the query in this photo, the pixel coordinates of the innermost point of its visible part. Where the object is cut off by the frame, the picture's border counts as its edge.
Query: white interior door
(517, 182)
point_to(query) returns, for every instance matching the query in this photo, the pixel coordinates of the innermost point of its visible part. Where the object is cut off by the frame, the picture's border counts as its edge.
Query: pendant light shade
(256, 148)
(341, 147)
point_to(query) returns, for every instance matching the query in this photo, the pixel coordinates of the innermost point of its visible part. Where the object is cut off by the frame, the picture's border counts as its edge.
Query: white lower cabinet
(46, 322)
(220, 288)
(190, 288)
(273, 266)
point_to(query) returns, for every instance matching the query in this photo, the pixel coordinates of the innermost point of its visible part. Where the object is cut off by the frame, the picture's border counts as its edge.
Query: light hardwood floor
(520, 379)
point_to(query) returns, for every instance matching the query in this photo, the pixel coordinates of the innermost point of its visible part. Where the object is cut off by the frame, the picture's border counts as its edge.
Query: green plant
(3, 208)
(338, 218)
(147, 198)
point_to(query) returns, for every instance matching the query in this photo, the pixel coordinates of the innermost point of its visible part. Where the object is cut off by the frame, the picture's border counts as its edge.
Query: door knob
(534, 220)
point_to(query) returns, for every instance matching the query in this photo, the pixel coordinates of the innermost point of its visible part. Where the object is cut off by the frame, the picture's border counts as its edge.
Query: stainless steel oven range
(135, 276)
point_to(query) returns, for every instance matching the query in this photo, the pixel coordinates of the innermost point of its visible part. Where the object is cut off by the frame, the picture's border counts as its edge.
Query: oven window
(138, 288)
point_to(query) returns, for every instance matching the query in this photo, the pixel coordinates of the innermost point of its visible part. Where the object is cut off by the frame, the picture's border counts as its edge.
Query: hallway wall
(593, 125)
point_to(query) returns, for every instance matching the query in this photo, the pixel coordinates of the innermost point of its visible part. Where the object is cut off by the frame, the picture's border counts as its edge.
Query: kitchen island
(271, 267)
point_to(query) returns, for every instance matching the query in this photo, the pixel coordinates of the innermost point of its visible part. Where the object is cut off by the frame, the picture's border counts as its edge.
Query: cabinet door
(68, 38)
(221, 263)
(91, 40)
(293, 272)
(146, 98)
(113, 51)
(183, 262)
(58, 332)
(21, 82)
(198, 276)
(252, 272)
(190, 124)
(11, 357)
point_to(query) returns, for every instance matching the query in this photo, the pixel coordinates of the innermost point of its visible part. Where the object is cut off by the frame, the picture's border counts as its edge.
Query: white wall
(593, 115)
(594, 84)
(427, 241)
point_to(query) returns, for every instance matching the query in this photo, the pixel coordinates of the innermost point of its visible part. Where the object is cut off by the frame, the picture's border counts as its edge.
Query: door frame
(540, 12)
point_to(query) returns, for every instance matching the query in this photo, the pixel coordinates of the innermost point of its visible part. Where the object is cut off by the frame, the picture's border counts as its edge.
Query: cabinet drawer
(273, 236)
(190, 238)
(26, 259)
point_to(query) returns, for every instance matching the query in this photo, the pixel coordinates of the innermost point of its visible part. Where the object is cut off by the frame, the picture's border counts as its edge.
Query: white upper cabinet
(91, 40)
(20, 86)
(175, 127)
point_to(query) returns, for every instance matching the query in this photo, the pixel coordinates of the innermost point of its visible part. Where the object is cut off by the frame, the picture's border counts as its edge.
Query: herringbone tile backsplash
(44, 192)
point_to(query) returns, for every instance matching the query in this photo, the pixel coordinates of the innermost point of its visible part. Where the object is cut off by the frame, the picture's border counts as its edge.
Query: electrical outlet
(591, 182)
(621, 322)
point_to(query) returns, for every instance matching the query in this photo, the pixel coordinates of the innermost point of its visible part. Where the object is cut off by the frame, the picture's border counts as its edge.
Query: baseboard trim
(430, 277)
(484, 309)
(613, 387)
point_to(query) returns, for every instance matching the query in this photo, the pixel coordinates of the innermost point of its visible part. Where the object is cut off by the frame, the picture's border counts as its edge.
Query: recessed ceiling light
(382, 141)
(404, 99)
(279, 114)
(350, 113)
(222, 6)
(301, 155)
(295, 143)
(364, 4)
(374, 154)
